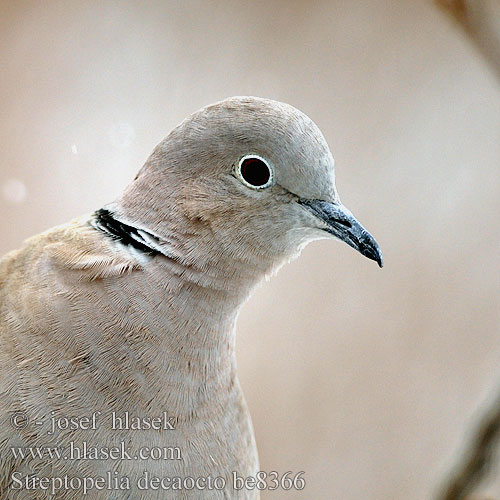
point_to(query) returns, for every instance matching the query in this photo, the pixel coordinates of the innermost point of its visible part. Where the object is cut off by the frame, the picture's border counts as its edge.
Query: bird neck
(184, 307)
(192, 251)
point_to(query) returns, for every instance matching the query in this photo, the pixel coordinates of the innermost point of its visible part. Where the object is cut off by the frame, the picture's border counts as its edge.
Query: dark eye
(255, 172)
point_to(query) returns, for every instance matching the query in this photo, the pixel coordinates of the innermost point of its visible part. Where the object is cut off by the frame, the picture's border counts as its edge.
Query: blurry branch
(478, 460)
(481, 21)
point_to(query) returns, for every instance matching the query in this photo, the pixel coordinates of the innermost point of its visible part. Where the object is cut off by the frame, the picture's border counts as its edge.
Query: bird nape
(132, 309)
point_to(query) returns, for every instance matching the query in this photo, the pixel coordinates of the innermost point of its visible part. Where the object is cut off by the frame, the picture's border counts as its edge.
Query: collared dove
(117, 330)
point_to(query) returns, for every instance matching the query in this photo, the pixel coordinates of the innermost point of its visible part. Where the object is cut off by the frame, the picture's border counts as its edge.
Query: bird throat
(227, 282)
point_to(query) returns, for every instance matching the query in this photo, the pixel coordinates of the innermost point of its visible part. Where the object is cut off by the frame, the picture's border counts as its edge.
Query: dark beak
(342, 224)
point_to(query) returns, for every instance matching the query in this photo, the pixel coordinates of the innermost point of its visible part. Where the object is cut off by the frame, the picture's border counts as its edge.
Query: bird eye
(254, 172)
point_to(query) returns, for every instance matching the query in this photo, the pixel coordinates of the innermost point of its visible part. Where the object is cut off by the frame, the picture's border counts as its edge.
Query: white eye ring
(255, 172)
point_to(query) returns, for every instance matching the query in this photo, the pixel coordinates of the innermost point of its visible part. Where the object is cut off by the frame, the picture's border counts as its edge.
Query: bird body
(128, 314)
(120, 350)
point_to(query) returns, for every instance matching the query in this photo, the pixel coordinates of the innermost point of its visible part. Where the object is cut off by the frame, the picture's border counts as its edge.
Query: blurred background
(366, 379)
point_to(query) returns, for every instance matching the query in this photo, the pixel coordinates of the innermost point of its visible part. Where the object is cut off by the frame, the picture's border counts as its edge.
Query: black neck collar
(139, 239)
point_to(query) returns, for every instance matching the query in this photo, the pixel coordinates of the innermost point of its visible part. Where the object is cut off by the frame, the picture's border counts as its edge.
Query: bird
(117, 329)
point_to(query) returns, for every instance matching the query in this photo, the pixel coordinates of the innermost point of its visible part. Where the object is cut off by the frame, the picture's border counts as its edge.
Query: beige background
(364, 378)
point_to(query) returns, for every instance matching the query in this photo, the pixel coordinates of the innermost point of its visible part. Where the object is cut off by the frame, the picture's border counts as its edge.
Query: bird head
(248, 178)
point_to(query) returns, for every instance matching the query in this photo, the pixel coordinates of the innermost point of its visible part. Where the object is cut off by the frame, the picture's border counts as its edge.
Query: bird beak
(342, 224)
